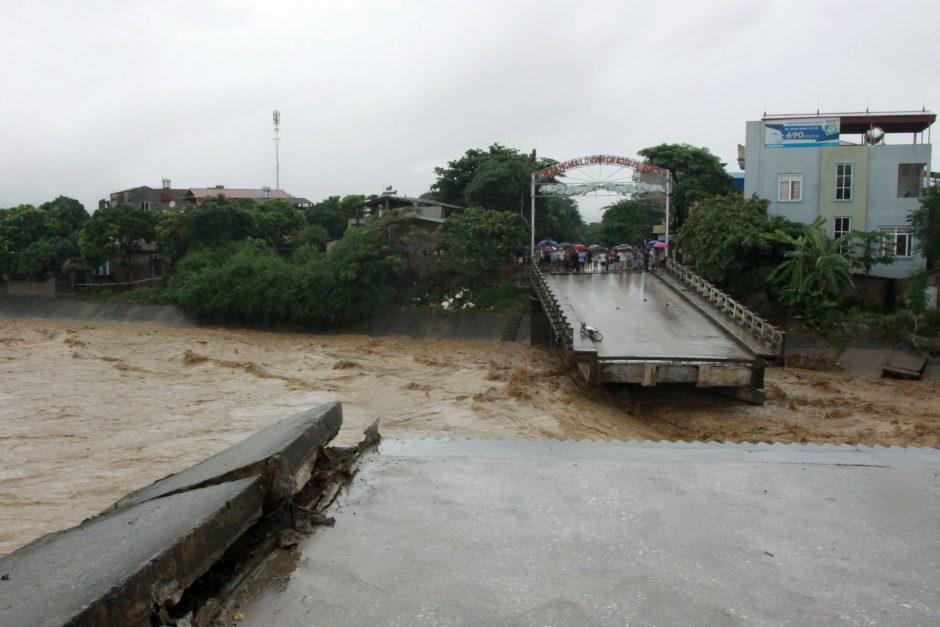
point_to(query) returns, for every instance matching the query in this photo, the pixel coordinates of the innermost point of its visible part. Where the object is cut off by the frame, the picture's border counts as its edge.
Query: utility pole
(277, 157)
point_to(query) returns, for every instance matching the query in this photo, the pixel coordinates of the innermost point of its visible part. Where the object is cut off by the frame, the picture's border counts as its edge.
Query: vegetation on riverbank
(243, 262)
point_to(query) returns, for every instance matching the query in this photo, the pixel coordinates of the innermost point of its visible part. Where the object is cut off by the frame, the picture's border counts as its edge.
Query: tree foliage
(630, 221)
(560, 219)
(36, 241)
(249, 282)
(814, 271)
(454, 179)
(721, 238)
(697, 173)
(277, 221)
(865, 249)
(479, 239)
(334, 213)
(501, 182)
(218, 221)
(499, 179)
(116, 231)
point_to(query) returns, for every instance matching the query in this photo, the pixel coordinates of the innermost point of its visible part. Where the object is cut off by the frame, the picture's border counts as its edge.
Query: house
(146, 262)
(415, 232)
(197, 195)
(859, 171)
(166, 198)
(424, 208)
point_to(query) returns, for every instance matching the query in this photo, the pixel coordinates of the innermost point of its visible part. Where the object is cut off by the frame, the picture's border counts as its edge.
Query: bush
(505, 296)
(254, 285)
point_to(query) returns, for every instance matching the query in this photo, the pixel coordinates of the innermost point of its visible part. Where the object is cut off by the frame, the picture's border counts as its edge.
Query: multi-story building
(849, 168)
(163, 199)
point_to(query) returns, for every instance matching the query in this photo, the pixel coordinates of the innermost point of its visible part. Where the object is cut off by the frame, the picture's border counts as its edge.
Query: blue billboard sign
(801, 133)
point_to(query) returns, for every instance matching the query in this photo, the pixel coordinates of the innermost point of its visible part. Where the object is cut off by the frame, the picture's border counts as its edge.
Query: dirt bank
(89, 412)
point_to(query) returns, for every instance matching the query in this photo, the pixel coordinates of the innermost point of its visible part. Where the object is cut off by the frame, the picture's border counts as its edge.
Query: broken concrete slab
(116, 568)
(282, 454)
(904, 363)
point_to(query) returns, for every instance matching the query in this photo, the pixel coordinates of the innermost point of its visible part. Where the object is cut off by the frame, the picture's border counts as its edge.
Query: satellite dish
(172, 204)
(874, 135)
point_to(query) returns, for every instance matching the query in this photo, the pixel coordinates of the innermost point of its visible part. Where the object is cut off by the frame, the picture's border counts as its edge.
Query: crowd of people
(587, 260)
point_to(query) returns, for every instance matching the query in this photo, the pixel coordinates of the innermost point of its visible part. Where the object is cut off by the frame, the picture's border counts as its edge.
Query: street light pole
(668, 192)
(532, 237)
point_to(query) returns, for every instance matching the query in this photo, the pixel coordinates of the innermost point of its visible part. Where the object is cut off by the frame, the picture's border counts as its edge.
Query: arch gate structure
(599, 175)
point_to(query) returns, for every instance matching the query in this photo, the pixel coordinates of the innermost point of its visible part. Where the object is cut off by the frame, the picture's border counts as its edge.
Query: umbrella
(544, 243)
(659, 245)
(594, 247)
(620, 247)
(652, 242)
(579, 247)
(565, 245)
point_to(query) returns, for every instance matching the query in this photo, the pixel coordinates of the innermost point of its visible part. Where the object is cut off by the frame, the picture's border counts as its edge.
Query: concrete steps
(511, 328)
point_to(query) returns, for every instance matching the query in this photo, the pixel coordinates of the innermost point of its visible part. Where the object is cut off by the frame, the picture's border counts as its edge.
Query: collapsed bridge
(665, 326)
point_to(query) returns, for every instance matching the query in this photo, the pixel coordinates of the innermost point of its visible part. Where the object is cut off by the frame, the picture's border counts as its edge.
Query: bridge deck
(642, 318)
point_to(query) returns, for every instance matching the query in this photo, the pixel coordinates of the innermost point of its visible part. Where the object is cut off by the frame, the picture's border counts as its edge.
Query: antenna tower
(277, 142)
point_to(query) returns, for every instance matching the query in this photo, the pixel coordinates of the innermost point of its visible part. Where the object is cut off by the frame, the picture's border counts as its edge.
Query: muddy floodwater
(90, 412)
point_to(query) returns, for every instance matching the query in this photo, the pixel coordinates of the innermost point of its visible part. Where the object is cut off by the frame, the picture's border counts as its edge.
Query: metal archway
(616, 186)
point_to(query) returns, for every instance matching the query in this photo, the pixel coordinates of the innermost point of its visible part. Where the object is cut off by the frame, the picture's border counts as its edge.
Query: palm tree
(815, 270)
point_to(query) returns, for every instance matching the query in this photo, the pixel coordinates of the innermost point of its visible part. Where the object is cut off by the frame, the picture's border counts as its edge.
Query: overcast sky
(102, 95)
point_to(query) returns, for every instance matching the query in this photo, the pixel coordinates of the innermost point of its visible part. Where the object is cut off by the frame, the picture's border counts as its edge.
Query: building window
(909, 179)
(145, 205)
(843, 181)
(790, 187)
(104, 269)
(840, 226)
(899, 240)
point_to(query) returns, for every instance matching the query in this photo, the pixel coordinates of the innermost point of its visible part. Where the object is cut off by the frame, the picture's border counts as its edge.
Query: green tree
(116, 231)
(330, 213)
(865, 249)
(45, 257)
(501, 182)
(814, 272)
(925, 223)
(630, 221)
(697, 175)
(248, 283)
(214, 222)
(349, 205)
(277, 221)
(359, 277)
(722, 239)
(560, 220)
(36, 242)
(479, 239)
(453, 180)
(312, 235)
(66, 216)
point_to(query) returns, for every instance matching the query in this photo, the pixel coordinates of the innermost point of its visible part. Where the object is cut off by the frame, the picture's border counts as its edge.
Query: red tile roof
(233, 192)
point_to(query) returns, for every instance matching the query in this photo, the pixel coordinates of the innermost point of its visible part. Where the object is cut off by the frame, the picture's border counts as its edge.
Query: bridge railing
(553, 311)
(765, 332)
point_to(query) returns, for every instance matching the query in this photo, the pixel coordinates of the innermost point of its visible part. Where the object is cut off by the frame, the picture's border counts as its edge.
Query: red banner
(624, 162)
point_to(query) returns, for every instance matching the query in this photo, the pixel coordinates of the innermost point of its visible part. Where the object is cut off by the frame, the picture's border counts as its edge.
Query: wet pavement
(641, 317)
(611, 533)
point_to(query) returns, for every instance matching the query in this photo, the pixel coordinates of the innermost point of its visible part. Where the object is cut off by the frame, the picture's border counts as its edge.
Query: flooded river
(90, 412)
